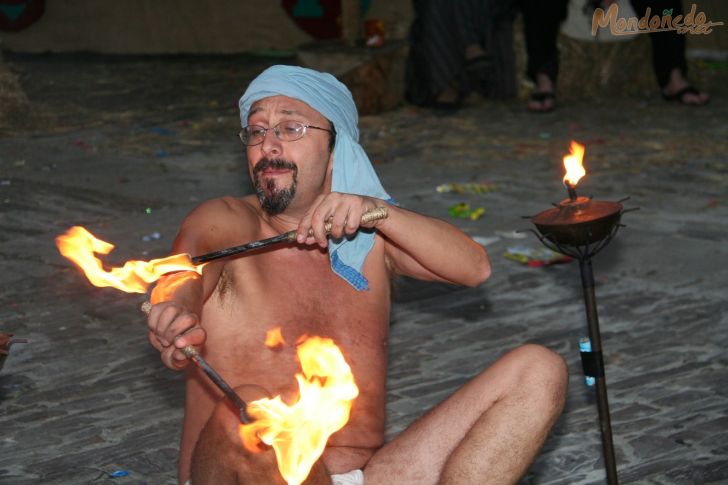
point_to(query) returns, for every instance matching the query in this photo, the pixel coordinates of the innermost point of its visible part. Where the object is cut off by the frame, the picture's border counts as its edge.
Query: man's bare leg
(220, 458)
(489, 431)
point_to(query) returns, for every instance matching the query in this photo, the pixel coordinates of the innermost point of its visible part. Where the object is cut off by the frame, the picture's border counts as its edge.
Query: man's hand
(344, 211)
(172, 327)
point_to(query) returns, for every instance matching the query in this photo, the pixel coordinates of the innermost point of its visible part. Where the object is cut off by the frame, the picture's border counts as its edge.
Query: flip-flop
(540, 97)
(678, 96)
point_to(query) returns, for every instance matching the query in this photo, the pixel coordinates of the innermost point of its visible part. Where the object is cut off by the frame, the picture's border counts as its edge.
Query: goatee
(274, 199)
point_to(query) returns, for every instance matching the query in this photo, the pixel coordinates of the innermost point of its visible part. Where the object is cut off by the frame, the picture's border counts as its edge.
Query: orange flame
(168, 284)
(79, 245)
(298, 433)
(573, 164)
(274, 338)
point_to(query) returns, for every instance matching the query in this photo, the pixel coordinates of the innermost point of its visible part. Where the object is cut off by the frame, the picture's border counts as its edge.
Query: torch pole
(587, 281)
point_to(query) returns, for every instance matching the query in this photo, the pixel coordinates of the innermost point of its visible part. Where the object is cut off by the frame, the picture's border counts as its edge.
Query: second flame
(298, 433)
(573, 164)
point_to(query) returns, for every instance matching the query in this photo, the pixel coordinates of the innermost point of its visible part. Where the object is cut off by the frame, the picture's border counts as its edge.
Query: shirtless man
(306, 165)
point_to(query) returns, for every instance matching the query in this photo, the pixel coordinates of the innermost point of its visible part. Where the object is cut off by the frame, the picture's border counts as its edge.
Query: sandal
(678, 96)
(542, 97)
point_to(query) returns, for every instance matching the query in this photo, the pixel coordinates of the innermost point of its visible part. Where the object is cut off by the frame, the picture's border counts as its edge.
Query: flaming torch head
(577, 221)
(573, 163)
(298, 433)
(81, 247)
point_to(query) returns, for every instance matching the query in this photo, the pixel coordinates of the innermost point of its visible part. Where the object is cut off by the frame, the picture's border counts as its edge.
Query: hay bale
(15, 112)
(602, 70)
(593, 70)
(375, 76)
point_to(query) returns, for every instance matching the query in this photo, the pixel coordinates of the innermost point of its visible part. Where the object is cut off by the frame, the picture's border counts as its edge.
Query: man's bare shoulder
(223, 210)
(220, 222)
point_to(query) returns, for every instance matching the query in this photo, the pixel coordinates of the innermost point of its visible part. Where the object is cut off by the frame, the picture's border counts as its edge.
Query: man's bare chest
(298, 293)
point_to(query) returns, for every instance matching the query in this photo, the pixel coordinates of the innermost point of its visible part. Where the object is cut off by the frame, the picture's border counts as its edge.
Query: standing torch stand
(581, 227)
(593, 364)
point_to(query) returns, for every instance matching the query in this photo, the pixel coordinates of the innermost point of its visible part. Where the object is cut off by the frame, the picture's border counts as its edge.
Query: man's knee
(542, 372)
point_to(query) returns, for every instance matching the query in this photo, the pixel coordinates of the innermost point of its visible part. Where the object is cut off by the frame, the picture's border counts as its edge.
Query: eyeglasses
(285, 131)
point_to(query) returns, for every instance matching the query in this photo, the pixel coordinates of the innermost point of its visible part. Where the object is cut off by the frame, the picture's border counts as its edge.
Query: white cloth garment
(354, 477)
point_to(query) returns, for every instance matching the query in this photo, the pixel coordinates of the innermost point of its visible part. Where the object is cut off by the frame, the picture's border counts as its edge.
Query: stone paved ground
(122, 136)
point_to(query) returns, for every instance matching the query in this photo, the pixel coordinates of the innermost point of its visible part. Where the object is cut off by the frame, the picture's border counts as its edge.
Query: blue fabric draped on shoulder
(353, 172)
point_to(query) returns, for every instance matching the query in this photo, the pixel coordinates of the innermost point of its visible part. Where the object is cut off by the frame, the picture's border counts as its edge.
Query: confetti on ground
(463, 210)
(712, 203)
(512, 234)
(82, 144)
(160, 130)
(112, 474)
(485, 241)
(468, 188)
(535, 257)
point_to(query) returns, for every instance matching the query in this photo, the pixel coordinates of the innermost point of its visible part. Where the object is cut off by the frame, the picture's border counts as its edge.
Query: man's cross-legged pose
(301, 135)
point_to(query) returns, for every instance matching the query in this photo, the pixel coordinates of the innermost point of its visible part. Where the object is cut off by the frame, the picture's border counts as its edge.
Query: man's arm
(174, 320)
(431, 249)
(418, 246)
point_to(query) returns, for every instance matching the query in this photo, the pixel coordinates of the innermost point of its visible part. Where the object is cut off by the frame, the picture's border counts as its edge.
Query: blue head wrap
(352, 173)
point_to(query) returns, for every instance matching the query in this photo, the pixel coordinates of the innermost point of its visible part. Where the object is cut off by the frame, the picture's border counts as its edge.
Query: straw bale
(593, 70)
(375, 76)
(14, 104)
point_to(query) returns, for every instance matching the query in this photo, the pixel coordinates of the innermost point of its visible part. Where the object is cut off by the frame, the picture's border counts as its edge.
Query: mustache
(275, 164)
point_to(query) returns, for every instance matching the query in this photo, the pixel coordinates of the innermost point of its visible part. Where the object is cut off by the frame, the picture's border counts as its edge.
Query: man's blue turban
(353, 172)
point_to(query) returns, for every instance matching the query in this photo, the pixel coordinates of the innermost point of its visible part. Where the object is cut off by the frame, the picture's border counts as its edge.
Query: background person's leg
(668, 54)
(443, 36)
(541, 22)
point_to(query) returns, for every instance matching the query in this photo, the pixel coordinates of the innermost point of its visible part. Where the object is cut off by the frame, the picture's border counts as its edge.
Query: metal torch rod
(290, 236)
(605, 423)
(571, 189)
(192, 354)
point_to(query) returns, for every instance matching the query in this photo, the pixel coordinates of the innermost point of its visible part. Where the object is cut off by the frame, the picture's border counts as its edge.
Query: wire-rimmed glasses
(285, 131)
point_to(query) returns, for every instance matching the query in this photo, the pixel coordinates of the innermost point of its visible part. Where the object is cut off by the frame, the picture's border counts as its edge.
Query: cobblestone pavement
(128, 146)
